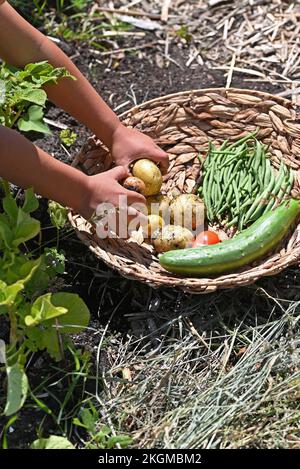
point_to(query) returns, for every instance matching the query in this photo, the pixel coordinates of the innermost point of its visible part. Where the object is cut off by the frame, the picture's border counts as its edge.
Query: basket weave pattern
(182, 124)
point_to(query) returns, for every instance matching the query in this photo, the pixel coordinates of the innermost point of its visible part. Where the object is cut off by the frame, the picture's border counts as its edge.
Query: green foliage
(35, 11)
(17, 388)
(68, 137)
(53, 442)
(58, 214)
(183, 33)
(54, 261)
(103, 438)
(33, 121)
(38, 320)
(22, 97)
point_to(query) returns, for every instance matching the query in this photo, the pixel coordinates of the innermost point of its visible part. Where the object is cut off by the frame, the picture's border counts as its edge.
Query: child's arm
(26, 165)
(21, 43)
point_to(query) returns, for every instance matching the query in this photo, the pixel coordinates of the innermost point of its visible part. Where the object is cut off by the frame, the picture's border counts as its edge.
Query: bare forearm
(26, 165)
(78, 97)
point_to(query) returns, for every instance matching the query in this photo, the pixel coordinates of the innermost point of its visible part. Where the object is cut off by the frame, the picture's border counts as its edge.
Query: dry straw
(182, 124)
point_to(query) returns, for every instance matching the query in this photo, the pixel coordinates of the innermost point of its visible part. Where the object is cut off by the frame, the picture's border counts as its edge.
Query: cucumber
(246, 247)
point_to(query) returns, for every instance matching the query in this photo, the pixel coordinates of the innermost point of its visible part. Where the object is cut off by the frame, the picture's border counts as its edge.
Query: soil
(109, 296)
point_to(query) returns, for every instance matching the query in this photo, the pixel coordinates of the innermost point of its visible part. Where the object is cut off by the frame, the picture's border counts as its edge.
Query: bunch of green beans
(240, 184)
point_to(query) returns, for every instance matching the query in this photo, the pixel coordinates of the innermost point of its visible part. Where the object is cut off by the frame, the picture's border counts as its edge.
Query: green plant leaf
(54, 262)
(35, 96)
(6, 234)
(68, 137)
(50, 342)
(78, 315)
(33, 121)
(17, 388)
(45, 338)
(10, 207)
(9, 293)
(43, 310)
(58, 214)
(53, 442)
(88, 420)
(38, 68)
(21, 269)
(25, 228)
(31, 202)
(122, 440)
(38, 283)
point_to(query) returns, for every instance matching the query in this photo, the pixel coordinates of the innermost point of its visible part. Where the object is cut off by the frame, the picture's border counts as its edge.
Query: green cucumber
(246, 247)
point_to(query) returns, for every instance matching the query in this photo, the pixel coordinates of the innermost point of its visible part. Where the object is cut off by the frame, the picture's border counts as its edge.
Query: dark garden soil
(129, 304)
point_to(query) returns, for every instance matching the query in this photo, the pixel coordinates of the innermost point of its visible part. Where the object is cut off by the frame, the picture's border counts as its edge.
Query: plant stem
(57, 238)
(6, 188)
(14, 120)
(13, 337)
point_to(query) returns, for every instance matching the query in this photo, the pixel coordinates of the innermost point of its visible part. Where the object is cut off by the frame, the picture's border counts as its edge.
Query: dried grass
(215, 373)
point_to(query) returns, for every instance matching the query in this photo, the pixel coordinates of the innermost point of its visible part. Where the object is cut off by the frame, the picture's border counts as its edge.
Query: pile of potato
(165, 215)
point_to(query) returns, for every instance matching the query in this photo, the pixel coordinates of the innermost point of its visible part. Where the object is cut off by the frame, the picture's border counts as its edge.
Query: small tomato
(206, 237)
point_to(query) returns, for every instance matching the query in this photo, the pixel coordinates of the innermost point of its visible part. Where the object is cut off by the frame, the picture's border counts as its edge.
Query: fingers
(134, 197)
(129, 219)
(133, 213)
(161, 157)
(119, 173)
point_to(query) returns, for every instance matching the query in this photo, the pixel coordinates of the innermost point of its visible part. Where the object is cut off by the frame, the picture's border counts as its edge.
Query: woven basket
(182, 124)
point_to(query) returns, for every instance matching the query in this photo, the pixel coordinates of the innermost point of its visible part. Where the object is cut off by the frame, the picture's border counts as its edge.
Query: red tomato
(206, 237)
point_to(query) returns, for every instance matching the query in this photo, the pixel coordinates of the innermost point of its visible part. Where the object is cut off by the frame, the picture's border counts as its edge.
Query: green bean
(263, 209)
(209, 189)
(223, 146)
(245, 204)
(228, 161)
(249, 183)
(242, 140)
(239, 181)
(241, 222)
(223, 209)
(222, 174)
(222, 152)
(228, 183)
(204, 186)
(262, 170)
(201, 159)
(258, 155)
(279, 189)
(236, 193)
(218, 187)
(291, 182)
(268, 172)
(243, 179)
(259, 199)
(213, 194)
(232, 222)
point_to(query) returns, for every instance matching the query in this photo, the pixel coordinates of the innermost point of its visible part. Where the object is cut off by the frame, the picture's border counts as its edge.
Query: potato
(148, 172)
(134, 184)
(172, 237)
(158, 205)
(187, 210)
(154, 222)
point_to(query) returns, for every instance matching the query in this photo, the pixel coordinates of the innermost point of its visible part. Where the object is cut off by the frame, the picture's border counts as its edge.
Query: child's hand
(129, 145)
(105, 188)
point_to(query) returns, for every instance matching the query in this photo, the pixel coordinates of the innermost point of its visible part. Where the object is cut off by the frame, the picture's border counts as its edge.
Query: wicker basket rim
(204, 91)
